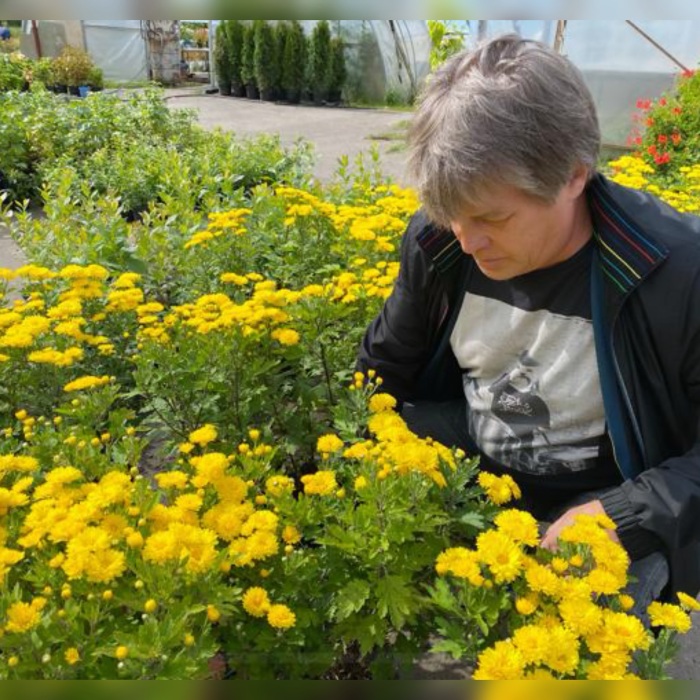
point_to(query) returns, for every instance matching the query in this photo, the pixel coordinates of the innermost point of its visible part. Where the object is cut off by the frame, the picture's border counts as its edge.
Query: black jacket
(645, 281)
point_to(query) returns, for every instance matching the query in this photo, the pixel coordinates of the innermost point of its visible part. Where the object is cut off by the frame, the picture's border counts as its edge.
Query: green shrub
(321, 61)
(248, 54)
(294, 61)
(265, 59)
(236, 33)
(222, 58)
(339, 71)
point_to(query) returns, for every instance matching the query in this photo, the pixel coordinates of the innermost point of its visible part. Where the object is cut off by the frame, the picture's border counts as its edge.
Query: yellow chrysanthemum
(322, 483)
(256, 602)
(203, 436)
(502, 662)
(499, 489)
(381, 402)
(669, 616)
(502, 556)
(328, 444)
(281, 617)
(519, 525)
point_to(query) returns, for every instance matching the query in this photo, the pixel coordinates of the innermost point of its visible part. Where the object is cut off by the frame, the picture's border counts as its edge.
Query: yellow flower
(462, 563)
(381, 402)
(327, 444)
(188, 640)
(519, 525)
(281, 617)
(503, 557)
(213, 614)
(563, 656)
(291, 535)
(360, 483)
(121, 652)
(532, 642)
(256, 602)
(321, 483)
(499, 490)
(502, 662)
(72, 656)
(526, 606)
(150, 606)
(688, 602)
(285, 336)
(276, 486)
(670, 616)
(204, 435)
(86, 382)
(22, 617)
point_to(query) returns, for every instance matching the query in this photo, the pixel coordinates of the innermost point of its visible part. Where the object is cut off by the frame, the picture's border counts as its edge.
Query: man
(546, 318)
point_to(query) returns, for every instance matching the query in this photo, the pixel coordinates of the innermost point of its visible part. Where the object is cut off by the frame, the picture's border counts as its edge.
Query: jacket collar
(627, 254)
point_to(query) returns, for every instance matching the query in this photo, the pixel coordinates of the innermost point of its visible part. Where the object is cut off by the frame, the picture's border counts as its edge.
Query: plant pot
(335, 97)
(252, 92)
(74, 90)
(268, 94)
(238, 90)
(83, 90)
(292, 96)
(225, 89)
(320, 97)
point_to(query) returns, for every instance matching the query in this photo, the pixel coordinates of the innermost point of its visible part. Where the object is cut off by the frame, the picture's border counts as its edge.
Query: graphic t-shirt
(530, 376)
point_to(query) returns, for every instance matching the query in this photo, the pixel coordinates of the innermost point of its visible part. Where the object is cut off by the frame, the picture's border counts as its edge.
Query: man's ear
(577, 182)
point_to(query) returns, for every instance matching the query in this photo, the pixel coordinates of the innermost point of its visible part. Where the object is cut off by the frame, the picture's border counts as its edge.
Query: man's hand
(551, 537)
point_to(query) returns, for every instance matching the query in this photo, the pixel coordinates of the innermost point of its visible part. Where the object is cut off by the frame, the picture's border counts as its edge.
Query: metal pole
(559, 35)
(655, 43)
(37, 40)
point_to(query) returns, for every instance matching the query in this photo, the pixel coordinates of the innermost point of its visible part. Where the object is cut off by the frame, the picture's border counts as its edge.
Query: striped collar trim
(627, 255)
(442, 247)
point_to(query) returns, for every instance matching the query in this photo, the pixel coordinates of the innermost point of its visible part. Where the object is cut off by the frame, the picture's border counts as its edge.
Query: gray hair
(513, 112)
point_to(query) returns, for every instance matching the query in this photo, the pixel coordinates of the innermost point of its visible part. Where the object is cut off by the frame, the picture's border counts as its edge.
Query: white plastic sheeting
(118, 47)
(620, 65)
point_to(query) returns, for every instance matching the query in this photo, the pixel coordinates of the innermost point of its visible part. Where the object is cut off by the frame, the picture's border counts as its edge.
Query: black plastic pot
(252, 92)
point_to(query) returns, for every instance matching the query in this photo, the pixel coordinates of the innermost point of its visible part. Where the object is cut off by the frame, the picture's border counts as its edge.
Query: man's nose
(470, 239)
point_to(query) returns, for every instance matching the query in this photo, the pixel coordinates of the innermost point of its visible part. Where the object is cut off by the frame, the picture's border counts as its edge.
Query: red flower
(662, 102)
(662, 138)
(652, 150)
(644, 104)
(676, 138)
(662, 159)
(677, 110)
(688, 73)
(650, 122)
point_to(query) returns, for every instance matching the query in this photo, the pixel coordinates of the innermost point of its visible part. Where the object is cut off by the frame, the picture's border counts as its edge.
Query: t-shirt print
(531, 382)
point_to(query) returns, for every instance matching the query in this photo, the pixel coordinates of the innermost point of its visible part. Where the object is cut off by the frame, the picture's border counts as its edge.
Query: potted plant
(96, 79)
(222, 58)
(294, 62)
(339, 71)
(247, 61)
(320, 64)
(266, 65)
(72, 68)
(236, 31)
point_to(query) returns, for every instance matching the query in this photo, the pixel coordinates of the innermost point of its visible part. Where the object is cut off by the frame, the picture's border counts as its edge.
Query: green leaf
(394, 599)
(351, 599)
(473, 519)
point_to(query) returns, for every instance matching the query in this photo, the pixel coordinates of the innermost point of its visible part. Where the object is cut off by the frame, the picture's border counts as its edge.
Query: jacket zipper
(625, 394)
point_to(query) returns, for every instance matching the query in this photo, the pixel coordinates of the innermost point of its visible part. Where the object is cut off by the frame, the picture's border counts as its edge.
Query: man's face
(510, 233)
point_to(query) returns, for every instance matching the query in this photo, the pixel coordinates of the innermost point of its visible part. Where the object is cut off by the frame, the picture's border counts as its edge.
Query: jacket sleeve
(397, 343)
(659, 510)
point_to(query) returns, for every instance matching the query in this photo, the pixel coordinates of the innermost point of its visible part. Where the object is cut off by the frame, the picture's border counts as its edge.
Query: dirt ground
(336, 132)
